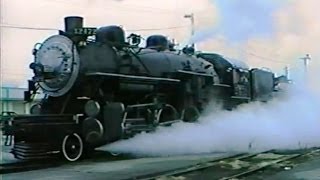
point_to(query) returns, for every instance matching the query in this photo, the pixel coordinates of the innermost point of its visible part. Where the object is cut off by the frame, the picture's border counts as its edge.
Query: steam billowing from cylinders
(291, 121)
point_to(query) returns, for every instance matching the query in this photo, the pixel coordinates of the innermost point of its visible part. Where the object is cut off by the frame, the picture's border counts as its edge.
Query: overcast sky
(264, 33)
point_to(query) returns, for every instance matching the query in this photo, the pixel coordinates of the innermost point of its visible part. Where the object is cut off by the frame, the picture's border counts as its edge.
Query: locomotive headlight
(37, 68)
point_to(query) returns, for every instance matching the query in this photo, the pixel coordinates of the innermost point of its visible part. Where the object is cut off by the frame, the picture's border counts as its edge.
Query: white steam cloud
(289, 122)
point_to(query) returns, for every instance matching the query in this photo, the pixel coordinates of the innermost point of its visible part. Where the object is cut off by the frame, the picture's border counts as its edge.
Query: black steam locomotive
(101, 87)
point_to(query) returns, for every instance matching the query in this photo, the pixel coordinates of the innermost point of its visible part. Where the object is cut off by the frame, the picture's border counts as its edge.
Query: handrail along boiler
(99, 88)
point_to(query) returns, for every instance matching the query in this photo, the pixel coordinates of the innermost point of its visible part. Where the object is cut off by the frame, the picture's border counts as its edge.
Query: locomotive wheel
(72, 147)
(167, 113)
(190, 114)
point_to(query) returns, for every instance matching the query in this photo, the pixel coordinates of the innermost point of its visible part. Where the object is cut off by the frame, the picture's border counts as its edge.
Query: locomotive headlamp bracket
(36, 48)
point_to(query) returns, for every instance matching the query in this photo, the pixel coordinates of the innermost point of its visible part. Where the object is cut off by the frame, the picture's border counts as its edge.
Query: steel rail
(258, 168)
(254, 168)
(196, 167)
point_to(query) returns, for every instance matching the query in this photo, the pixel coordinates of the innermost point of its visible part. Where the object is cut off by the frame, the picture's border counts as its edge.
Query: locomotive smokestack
(72, 22)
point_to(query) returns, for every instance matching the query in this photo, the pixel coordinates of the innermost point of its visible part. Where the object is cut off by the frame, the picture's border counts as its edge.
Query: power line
(135, 30)
(53, 29)
(257, 56)
(155, 29)
(25, 27)
(266, 59)
(267, 48)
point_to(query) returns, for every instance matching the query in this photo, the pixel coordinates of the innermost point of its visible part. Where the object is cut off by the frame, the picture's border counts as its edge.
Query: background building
(11, 99)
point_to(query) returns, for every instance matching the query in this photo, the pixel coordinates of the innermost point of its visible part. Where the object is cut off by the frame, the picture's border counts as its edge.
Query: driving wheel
(190, 114)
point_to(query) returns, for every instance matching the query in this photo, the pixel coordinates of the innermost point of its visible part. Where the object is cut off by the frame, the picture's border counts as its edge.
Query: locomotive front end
(50, 129)
(56, 62)
(78, 112)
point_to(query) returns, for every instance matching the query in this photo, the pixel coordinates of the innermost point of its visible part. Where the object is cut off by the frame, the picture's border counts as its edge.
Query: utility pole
(305, 63)
(191, 17)
(286, 72)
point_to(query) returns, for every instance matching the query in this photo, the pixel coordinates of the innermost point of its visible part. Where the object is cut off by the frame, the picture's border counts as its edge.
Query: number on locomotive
(85, 31)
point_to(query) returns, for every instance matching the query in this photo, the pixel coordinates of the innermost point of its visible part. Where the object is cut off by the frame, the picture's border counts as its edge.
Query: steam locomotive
(101, 87)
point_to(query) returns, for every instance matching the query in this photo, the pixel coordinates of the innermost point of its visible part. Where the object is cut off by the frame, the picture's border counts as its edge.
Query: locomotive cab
(232, 73)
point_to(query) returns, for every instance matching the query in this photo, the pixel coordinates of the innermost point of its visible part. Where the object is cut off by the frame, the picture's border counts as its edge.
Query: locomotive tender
(99, 88)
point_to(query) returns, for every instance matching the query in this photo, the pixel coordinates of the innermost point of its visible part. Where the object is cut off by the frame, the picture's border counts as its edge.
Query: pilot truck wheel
(72, 147)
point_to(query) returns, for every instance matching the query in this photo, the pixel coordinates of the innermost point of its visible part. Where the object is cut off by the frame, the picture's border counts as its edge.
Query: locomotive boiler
(101, 87)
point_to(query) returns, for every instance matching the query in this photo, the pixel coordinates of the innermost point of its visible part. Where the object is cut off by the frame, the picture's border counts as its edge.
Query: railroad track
(225, 169)
(258, 167)
(7, 168)
(20, 166)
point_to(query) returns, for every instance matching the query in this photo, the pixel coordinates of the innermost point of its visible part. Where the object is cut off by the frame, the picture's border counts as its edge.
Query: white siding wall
(19, 107)
(11, 99)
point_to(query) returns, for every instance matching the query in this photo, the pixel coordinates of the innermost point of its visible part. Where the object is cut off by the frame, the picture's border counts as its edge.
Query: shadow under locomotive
(100, 88)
